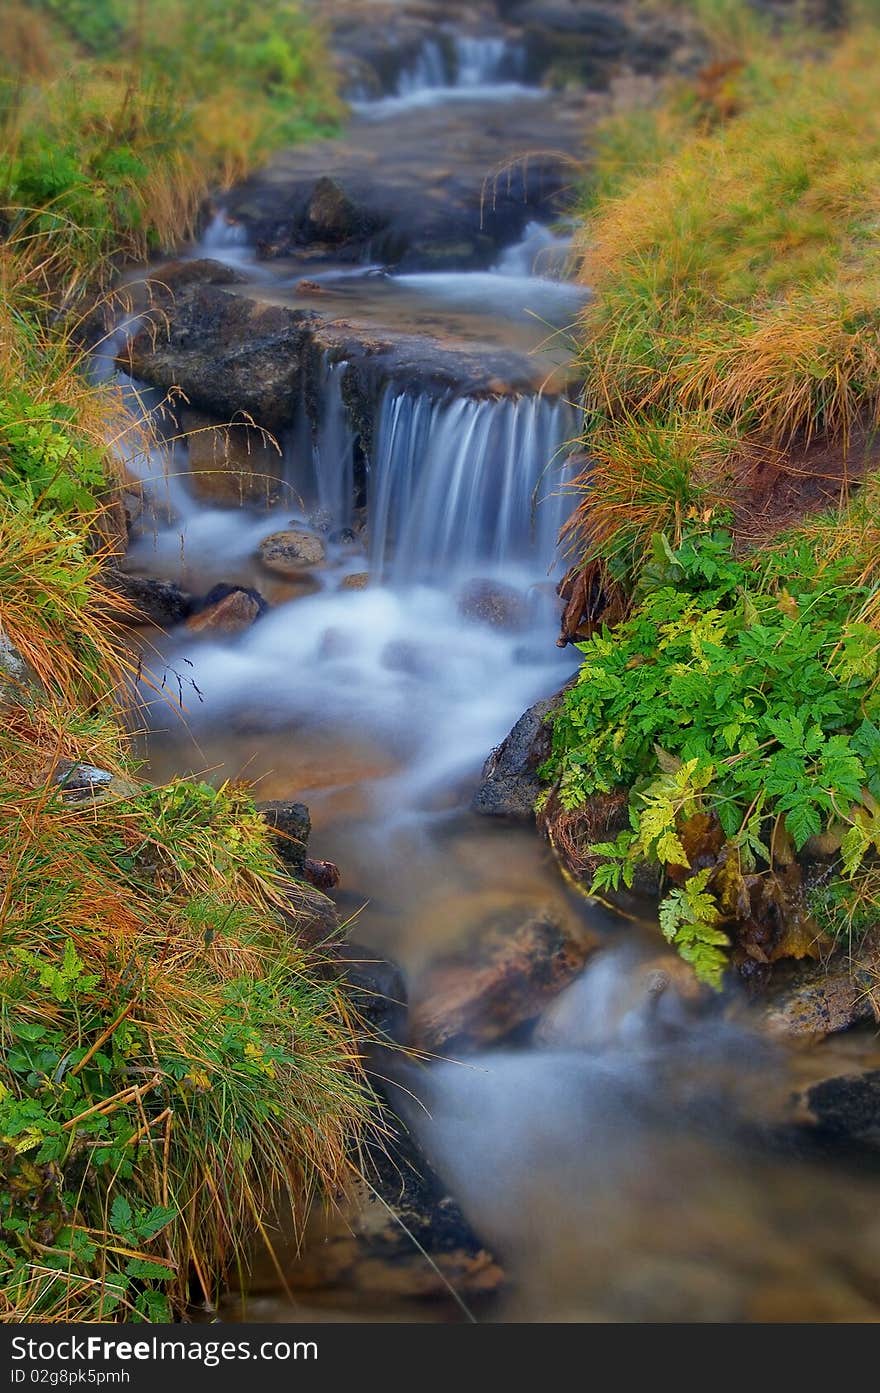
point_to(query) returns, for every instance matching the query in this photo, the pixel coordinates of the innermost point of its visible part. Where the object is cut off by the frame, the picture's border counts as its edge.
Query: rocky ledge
(233, 355)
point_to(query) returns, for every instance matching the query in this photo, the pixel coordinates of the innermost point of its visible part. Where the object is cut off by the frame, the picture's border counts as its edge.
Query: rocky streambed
(346, 563)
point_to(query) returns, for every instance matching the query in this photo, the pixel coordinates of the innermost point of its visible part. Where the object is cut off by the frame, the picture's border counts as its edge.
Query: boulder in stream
(291, 826)
(397, 1233)
(846, 1107)
(495, 604)
(289, 552)
(147, 600)
(230, 464)
(810, 1003)
(231, 611)
(510, 785)
(513, 966)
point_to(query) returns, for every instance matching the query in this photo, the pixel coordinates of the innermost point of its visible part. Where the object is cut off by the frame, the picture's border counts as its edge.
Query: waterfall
(540, 253)
(334, 450)
(485, 59)
(227, 241)
(458, 483)
(464, 67)
(474, 61)
(428, 70)
(319, 456)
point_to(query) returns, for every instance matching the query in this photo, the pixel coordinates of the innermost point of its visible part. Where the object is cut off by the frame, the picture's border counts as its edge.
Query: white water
(463, 483)
(226, 241)
(457, 489)
(483, 68)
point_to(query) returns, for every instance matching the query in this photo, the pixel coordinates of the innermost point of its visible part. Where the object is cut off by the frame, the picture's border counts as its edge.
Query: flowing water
(454, 67)
(627, 1162)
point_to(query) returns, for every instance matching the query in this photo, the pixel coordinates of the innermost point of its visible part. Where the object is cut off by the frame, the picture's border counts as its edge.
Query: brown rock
(813, 1002)
(230, 464)
(231, 615)
(290, 552)
(513, 967)
(359, 581)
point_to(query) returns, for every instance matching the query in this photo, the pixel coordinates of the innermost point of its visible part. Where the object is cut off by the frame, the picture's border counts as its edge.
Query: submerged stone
(512, 967)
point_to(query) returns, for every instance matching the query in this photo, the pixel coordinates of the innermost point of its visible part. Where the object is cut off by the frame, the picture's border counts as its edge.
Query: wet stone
(290, 552)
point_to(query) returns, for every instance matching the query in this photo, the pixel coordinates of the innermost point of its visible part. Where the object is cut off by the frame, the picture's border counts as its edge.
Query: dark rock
(847, 1107)
(510, 783)
(416, 190)
(324, 875)
(231, 354)
(377, 989)
(228, 354)
(333, 216)
(574, 42)
(493, 603)
(177, 277)
(514, 965)
(148, 601)
(312, 915)
(398, 1233)
(291, 825)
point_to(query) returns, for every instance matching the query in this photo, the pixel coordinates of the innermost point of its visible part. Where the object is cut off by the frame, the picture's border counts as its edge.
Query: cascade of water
(319, 458)
(458, 482)
(427, 70)
(484, 67)
(484, 59)
(226, 241)
(540, 252)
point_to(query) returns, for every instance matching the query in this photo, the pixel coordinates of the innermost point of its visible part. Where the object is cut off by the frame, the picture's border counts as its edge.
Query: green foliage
(146, 109)
(739, 688)
(46, 465)
(689, 919)
(157, 1084)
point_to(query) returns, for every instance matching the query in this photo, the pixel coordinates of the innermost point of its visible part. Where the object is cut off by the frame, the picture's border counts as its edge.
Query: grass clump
(118, 118)
(741, 278)
(173, 1063)
(725, 537)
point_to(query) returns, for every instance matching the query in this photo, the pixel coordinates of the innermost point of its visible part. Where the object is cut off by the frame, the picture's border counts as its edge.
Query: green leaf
(122, 1216)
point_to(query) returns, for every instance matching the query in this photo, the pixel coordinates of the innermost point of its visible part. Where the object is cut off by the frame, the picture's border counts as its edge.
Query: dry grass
(644, 476)
(741, 278)
(209, 1070)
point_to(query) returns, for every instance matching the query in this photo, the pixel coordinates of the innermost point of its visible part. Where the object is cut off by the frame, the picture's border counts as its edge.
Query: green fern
(689, 919)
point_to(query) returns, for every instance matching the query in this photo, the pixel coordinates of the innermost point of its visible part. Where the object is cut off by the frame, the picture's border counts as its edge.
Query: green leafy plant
(741, 691)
